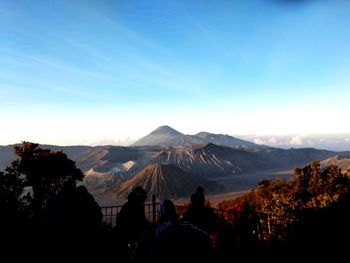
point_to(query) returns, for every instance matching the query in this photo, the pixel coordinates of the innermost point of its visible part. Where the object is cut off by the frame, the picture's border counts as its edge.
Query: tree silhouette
(11, 187)
(35, 175)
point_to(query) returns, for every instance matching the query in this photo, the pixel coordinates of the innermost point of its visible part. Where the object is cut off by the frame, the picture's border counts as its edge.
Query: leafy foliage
(29, 183)
(311, 187)
(286, 202)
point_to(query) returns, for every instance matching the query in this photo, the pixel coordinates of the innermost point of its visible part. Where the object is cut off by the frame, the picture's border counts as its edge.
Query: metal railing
(263, 227)
(110, 213)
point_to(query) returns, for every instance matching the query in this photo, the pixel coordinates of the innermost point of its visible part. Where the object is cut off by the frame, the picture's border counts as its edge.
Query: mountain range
(170, 164)
(167, 136)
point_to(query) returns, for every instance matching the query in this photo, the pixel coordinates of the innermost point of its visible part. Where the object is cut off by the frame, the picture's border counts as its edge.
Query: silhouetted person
(148, 246)
(74, 222)
(131, 222)
(178, 241)
(62, 209)
(167, 212)
(200, 215)
(246, 234)
(61, 221)
(167, 217)
(87, 215)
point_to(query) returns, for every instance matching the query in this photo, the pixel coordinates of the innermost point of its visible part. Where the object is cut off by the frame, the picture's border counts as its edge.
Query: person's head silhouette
(167, 211)
(138, 195)
(198, 199)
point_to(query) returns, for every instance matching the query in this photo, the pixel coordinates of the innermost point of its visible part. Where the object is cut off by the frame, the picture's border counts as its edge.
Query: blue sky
(103, 71)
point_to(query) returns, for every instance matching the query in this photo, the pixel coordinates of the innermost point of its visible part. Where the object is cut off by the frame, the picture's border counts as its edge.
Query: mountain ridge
(168, 136)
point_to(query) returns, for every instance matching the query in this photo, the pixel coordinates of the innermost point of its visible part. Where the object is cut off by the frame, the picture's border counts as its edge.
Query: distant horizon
(128, 140)
(110, 72)
(336, 142)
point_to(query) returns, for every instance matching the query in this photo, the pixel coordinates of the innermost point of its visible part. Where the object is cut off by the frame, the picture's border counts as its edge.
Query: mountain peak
(165, 129)
(202, 134)
(164, 136)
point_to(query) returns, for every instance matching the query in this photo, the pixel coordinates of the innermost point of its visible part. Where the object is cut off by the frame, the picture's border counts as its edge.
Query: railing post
(154, 208)
(116, 216)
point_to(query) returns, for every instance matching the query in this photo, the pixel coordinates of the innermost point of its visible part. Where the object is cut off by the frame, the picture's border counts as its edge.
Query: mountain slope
(210, 160)
(7, 155)
(164, 181)
(227, 140)
(342, 161)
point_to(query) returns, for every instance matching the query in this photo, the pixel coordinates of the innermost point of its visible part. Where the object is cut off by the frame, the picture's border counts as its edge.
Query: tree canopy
(313, 191)
(28, 184)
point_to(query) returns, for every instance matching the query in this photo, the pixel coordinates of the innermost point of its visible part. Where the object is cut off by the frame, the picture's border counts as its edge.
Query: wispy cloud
(56, 64)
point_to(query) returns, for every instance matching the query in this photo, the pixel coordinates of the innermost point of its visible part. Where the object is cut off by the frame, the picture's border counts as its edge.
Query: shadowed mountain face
(164, 181)
(205, 160)
(211, 160)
